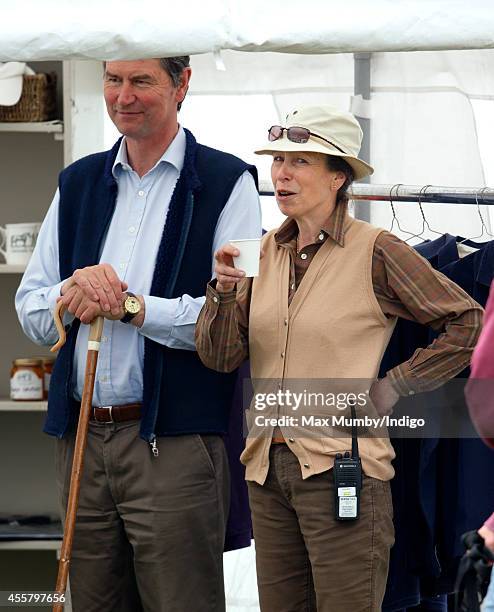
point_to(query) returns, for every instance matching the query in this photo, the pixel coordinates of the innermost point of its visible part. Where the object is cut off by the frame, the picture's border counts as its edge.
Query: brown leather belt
(116, 414)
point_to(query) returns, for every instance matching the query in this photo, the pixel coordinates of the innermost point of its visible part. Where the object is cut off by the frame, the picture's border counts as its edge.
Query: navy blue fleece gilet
(180, 395)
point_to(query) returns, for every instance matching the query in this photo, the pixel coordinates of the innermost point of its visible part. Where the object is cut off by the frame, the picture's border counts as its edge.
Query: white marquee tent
(430, 107)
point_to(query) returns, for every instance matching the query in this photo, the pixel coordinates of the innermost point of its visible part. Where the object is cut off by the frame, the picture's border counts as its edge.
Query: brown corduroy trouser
(306, 560)
(150, 530)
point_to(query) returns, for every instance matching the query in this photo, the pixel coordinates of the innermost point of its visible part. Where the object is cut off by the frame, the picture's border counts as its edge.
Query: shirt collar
(335, 227)
(174, 155)
(482, 260)
(486, 268)
(445, 249)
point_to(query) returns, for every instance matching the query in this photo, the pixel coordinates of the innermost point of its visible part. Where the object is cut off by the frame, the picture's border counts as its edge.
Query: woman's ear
(337, 181)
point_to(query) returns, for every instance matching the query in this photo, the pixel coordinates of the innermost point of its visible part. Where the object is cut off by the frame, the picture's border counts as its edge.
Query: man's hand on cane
(78, 304)
(101, 284)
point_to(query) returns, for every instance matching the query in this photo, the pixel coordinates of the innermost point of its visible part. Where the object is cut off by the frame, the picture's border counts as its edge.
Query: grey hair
(174, 67)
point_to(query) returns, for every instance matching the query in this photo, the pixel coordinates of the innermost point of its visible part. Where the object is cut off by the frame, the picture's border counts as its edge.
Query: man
(145, 216)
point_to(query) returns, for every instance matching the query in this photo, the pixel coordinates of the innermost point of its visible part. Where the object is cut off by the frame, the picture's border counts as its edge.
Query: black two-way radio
(347, 473)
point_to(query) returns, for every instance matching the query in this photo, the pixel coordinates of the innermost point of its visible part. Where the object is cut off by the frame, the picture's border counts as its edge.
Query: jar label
(26, 385)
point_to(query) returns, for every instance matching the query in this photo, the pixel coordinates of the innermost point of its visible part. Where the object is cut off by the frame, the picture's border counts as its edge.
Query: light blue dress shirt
(131, 245)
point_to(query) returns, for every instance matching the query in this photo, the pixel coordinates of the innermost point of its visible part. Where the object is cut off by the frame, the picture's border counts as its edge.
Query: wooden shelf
(50, 127)
(8, 405)
(30, 544)
(12, 268)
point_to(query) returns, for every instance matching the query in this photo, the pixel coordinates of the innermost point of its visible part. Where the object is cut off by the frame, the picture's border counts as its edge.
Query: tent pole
(362, 87)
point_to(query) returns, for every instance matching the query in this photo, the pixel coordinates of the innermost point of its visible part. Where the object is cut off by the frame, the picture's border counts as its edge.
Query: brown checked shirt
(405, 286)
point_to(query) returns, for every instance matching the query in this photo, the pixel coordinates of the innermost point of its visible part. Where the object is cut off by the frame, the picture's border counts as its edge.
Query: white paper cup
(248, 260)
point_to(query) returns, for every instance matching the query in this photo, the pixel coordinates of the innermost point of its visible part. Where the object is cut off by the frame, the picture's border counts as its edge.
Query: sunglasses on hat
(300, 135)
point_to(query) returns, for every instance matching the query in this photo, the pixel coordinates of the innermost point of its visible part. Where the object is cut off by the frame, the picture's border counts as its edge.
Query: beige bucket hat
(332, 132)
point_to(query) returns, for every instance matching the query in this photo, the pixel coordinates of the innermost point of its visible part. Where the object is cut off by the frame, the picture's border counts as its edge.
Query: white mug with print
(17, 242)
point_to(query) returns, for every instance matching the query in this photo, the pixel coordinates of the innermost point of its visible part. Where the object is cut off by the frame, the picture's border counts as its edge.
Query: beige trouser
(150, 530)
(308, 561)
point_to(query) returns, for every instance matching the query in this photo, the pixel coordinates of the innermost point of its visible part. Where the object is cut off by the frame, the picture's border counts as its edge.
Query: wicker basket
(38, 100)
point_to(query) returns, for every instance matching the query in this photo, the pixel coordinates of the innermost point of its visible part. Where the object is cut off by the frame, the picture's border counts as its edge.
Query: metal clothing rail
(423, 193)
(414, 193)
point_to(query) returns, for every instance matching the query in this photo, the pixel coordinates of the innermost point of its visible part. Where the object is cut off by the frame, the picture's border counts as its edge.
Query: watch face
(132, 305)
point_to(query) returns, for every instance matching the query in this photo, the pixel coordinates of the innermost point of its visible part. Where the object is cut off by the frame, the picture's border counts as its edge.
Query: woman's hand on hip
(383, 396)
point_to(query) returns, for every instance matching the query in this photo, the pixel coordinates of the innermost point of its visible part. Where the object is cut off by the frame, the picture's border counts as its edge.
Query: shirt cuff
(52, 295)
(159, 317)
(403, 380)
(219, 298)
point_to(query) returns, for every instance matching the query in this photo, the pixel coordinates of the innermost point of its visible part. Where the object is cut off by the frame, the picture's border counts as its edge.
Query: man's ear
(184, 84)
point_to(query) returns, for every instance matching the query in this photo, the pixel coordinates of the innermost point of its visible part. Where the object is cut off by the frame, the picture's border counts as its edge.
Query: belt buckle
(109, 408)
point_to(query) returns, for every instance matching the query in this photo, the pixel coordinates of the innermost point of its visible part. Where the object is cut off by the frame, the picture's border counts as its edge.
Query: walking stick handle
(95, 330)
(58, 318)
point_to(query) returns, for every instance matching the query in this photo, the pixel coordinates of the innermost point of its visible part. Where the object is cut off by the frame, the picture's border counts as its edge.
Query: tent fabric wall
(258, 73)
(425, 130)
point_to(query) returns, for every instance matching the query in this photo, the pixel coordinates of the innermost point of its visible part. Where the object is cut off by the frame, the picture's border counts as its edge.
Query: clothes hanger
(425, 223)
(395, 218)
(484, 226)
(424, 220)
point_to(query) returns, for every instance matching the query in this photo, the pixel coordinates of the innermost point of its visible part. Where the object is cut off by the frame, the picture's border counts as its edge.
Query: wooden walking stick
(80, 444)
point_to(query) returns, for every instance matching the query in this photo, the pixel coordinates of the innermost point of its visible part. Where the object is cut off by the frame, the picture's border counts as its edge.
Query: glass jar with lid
(26, 379)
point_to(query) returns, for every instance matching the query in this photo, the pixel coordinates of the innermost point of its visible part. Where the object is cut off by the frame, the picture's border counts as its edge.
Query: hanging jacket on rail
(429, 471)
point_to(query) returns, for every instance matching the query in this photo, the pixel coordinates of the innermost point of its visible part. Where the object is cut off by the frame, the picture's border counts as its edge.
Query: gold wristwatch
(131, 306)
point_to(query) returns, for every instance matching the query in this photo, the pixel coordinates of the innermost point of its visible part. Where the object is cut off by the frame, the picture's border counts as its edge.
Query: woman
(323, 307)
